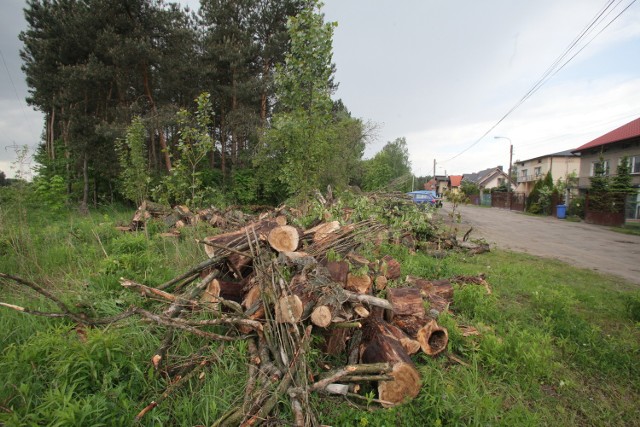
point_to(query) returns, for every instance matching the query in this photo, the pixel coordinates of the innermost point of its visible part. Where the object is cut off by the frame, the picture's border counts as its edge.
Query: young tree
(599, 191)
(134, 173)
(301, 139)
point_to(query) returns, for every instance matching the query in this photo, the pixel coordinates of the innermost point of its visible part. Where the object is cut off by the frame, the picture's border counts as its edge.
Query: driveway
(576, 243)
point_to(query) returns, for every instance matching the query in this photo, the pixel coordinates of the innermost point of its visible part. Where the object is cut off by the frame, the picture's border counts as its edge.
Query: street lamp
(510, 157)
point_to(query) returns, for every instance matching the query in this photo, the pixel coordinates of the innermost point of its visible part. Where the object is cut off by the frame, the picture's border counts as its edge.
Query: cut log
(358, 284)
(406, 301)
(338, 270)
(390, 268)
(410, 324)
(289, 309)
(211, 294)
(379, 345)
(381, 283)
(433, 339)
(323, 231)
(410, 345)
(358, 260)
(284, 238)
(298, 260)
(238, 237)
(361, 311)
(321, 316)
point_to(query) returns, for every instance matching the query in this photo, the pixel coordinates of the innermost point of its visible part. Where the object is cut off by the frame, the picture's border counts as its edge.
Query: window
(635, 164)
(595, 165)
(523, 173)
(537, 171)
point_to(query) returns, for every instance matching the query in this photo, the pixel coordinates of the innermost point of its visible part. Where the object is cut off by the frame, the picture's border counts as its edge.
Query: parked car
(422, 197)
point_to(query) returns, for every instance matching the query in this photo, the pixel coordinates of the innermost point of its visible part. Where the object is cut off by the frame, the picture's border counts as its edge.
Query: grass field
(558, 345)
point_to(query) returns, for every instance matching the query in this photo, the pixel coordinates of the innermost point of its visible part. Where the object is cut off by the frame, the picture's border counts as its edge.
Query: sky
(442, 74)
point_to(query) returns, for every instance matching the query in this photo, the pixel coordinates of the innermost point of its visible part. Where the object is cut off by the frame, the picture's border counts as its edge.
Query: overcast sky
(441, 74)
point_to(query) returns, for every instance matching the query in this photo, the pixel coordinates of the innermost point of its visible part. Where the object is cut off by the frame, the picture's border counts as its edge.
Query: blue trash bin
(561, 211)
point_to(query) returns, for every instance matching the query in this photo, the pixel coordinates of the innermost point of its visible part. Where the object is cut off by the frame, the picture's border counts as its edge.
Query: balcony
(529, 178)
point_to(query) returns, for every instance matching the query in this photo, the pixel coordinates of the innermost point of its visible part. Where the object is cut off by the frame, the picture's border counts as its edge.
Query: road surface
(576, 243)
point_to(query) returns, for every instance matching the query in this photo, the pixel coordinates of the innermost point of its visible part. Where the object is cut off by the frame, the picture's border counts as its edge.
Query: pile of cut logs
(277, 287)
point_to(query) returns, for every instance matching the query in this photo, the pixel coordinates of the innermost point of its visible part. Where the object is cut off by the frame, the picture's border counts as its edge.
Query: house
(442, 184)
(612, 146)
(561, 165)
(620, 142)
(431, 185)
(488, 178)
(454, 183)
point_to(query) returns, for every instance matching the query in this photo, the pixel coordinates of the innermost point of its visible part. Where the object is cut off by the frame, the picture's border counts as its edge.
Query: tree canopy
(104, 71)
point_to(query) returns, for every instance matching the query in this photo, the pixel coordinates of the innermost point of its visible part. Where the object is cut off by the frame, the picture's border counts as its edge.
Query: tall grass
(557, 345)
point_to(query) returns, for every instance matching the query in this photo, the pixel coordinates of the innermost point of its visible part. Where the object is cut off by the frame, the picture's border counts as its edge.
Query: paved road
(583, 245)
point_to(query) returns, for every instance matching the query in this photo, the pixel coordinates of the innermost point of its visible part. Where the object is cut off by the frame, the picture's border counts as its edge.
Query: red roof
(455, 180)
(431, 185)
(630, 130)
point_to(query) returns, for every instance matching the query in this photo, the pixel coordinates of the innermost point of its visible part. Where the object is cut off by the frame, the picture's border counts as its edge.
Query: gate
(501, 200)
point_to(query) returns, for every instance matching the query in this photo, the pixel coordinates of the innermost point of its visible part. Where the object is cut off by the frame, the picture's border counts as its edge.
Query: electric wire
(553, 69)
(15, 91)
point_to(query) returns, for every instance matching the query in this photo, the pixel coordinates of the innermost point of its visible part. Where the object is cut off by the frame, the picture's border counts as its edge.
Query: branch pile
(287, 291)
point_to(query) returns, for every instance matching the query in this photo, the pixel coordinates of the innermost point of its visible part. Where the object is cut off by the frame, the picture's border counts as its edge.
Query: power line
(552, 70)
(15, 91)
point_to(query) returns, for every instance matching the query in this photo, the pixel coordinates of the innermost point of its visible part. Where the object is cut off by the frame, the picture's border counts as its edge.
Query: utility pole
(434, 168)
(510, 161)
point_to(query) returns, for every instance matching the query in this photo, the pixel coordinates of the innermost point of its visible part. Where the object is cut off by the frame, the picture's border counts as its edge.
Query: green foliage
(134, 174)
(469, 188)
(576, 206)
(245, 186)
(557, 346)
(543, 194)
(51, 192)
(184, 184)
(303, 138)
(390, 163)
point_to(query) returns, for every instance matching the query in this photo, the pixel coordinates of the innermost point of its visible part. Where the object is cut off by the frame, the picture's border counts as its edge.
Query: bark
(378, 345)
(433, 339)
(163, 140)
(406, 301)
(338, 270)
(84, 207)
(390, 268)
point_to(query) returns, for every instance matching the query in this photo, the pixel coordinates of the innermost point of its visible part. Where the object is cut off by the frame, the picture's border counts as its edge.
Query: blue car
(426, 197)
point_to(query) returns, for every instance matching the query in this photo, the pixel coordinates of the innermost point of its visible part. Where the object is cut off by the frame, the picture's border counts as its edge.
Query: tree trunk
(163, 139)
(433, 339)
(406, 301)
(380, 345)
(263, 95)
(85, 189)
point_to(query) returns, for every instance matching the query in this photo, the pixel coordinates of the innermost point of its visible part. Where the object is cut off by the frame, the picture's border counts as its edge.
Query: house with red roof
(612, 147)
(431, 185)
(620, 142)
(454, 182)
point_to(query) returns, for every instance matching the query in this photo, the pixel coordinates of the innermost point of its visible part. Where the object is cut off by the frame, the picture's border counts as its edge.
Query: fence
(501, 200)
(610, 209)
